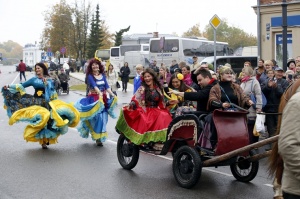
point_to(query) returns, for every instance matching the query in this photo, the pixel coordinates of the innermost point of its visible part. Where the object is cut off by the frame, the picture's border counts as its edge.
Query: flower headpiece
(99, 59)
(179, 76)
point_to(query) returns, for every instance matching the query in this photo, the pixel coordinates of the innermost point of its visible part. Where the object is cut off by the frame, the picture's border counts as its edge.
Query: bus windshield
(171, 45)
(125, 48)
(103, 54)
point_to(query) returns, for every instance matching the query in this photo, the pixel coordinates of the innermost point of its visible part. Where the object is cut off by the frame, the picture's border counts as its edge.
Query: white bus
(117, 53)
(183, 49)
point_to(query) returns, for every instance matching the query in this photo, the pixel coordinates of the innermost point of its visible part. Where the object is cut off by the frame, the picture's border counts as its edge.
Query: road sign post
(63, 51)
(215, 22)
(162, 45)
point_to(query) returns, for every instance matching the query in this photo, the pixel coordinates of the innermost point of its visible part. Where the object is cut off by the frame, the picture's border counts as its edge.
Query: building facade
(32, 54)
(271, 29)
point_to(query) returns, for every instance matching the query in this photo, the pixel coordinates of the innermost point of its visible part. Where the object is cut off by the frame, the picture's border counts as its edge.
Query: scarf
(246, 78)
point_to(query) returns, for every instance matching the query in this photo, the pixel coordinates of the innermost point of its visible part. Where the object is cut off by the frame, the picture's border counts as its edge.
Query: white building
(32, 54)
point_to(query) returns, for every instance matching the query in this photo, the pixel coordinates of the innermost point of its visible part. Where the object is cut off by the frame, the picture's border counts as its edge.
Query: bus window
(145, 48)
(114, 52)
(124, 49)
(103, 54)
(171, 45)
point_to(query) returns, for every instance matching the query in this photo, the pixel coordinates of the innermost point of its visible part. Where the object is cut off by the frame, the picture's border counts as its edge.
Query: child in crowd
(137, 79)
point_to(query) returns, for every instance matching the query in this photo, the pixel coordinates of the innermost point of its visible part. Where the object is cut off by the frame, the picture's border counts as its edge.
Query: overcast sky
(22, 20)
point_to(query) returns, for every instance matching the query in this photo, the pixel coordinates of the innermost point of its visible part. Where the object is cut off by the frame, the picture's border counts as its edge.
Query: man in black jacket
(273, 90)
(206, 82)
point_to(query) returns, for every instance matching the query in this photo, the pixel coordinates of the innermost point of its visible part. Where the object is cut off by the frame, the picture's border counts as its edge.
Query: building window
(278, 48)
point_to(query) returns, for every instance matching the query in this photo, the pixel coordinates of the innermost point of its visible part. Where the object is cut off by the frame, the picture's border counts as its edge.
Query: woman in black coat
(124, 74)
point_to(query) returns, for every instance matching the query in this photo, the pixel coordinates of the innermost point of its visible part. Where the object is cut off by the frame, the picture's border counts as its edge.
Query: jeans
(22, 73)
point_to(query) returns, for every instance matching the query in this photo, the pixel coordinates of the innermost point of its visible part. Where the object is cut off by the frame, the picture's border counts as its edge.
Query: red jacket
(22, 67)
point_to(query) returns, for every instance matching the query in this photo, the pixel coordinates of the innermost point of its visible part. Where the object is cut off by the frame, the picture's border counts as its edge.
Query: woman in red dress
(145, 119)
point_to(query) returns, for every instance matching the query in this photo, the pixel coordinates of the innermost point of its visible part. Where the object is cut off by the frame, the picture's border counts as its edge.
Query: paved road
(77, 168)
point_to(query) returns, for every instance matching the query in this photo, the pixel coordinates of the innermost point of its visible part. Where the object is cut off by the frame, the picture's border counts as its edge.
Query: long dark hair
(156, 82)
(183, 87)
(43, 66)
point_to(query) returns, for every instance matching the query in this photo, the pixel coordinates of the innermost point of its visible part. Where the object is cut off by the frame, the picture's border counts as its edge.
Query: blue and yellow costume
(94, 111)
(48, 116)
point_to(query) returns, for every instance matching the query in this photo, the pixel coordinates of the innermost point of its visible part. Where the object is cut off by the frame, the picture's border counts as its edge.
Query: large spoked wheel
(128, 153)
(244, 170)
(187, 167)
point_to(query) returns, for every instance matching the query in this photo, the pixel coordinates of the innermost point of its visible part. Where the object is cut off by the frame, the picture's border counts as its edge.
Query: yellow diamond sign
(215, 21)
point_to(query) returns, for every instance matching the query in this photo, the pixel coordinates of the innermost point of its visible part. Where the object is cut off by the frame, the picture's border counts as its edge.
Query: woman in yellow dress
(48, 116)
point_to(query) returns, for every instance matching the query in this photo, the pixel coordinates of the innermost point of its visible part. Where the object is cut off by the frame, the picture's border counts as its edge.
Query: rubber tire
(245, 178)
(196, 167)
(121, 158)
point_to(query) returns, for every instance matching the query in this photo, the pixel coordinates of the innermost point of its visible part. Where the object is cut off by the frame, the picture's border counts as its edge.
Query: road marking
(171, 159)
(269, 185)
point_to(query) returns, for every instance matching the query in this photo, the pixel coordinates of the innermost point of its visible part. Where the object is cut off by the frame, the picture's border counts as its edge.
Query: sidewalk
(80, 76)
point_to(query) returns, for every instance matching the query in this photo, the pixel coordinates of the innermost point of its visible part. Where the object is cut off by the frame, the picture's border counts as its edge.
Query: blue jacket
(136, 83)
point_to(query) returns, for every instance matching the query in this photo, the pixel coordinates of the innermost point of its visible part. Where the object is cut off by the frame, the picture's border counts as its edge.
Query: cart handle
(263, 113)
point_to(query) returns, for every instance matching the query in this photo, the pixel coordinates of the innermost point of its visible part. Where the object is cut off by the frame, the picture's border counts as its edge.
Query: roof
(144, 36)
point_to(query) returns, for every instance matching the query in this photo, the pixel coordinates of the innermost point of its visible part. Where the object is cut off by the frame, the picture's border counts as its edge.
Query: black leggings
(124, 86)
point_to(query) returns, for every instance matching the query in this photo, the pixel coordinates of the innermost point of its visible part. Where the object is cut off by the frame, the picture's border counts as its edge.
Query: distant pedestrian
(78, 65)
(137, 80)
(22, 69)
(66, 67)
(112, 78)
(154, 67)
(124, 74)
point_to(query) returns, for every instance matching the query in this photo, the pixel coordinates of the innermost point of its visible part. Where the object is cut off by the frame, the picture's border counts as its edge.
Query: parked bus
(183, 49)
(117, 53)
(103, 55)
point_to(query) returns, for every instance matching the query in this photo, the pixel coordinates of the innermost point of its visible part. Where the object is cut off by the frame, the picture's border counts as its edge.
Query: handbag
(118, 85)
(253, 97)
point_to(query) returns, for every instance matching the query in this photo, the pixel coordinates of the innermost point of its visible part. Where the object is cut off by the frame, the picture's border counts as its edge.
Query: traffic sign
(215, 21)
(49, 50)
(63, 50)
(49, 54)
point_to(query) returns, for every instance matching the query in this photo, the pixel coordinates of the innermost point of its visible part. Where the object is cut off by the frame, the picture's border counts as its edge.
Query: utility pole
(258, 31)
(284, 35)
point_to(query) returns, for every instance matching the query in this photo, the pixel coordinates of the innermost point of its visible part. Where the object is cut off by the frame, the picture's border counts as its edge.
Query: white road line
(269, 185)
(171, 159)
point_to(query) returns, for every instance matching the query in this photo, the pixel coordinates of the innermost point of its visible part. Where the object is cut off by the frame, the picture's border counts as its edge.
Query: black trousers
(124, 85)
(271, 121)
(22, 73)
(290, 196)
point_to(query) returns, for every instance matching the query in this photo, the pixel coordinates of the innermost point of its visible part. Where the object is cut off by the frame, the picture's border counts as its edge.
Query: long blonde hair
(275, 161)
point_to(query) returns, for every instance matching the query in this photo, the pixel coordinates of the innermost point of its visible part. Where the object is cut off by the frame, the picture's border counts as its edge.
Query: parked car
(28, 68)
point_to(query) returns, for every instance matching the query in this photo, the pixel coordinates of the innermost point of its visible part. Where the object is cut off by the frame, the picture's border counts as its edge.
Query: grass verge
(80, 87)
